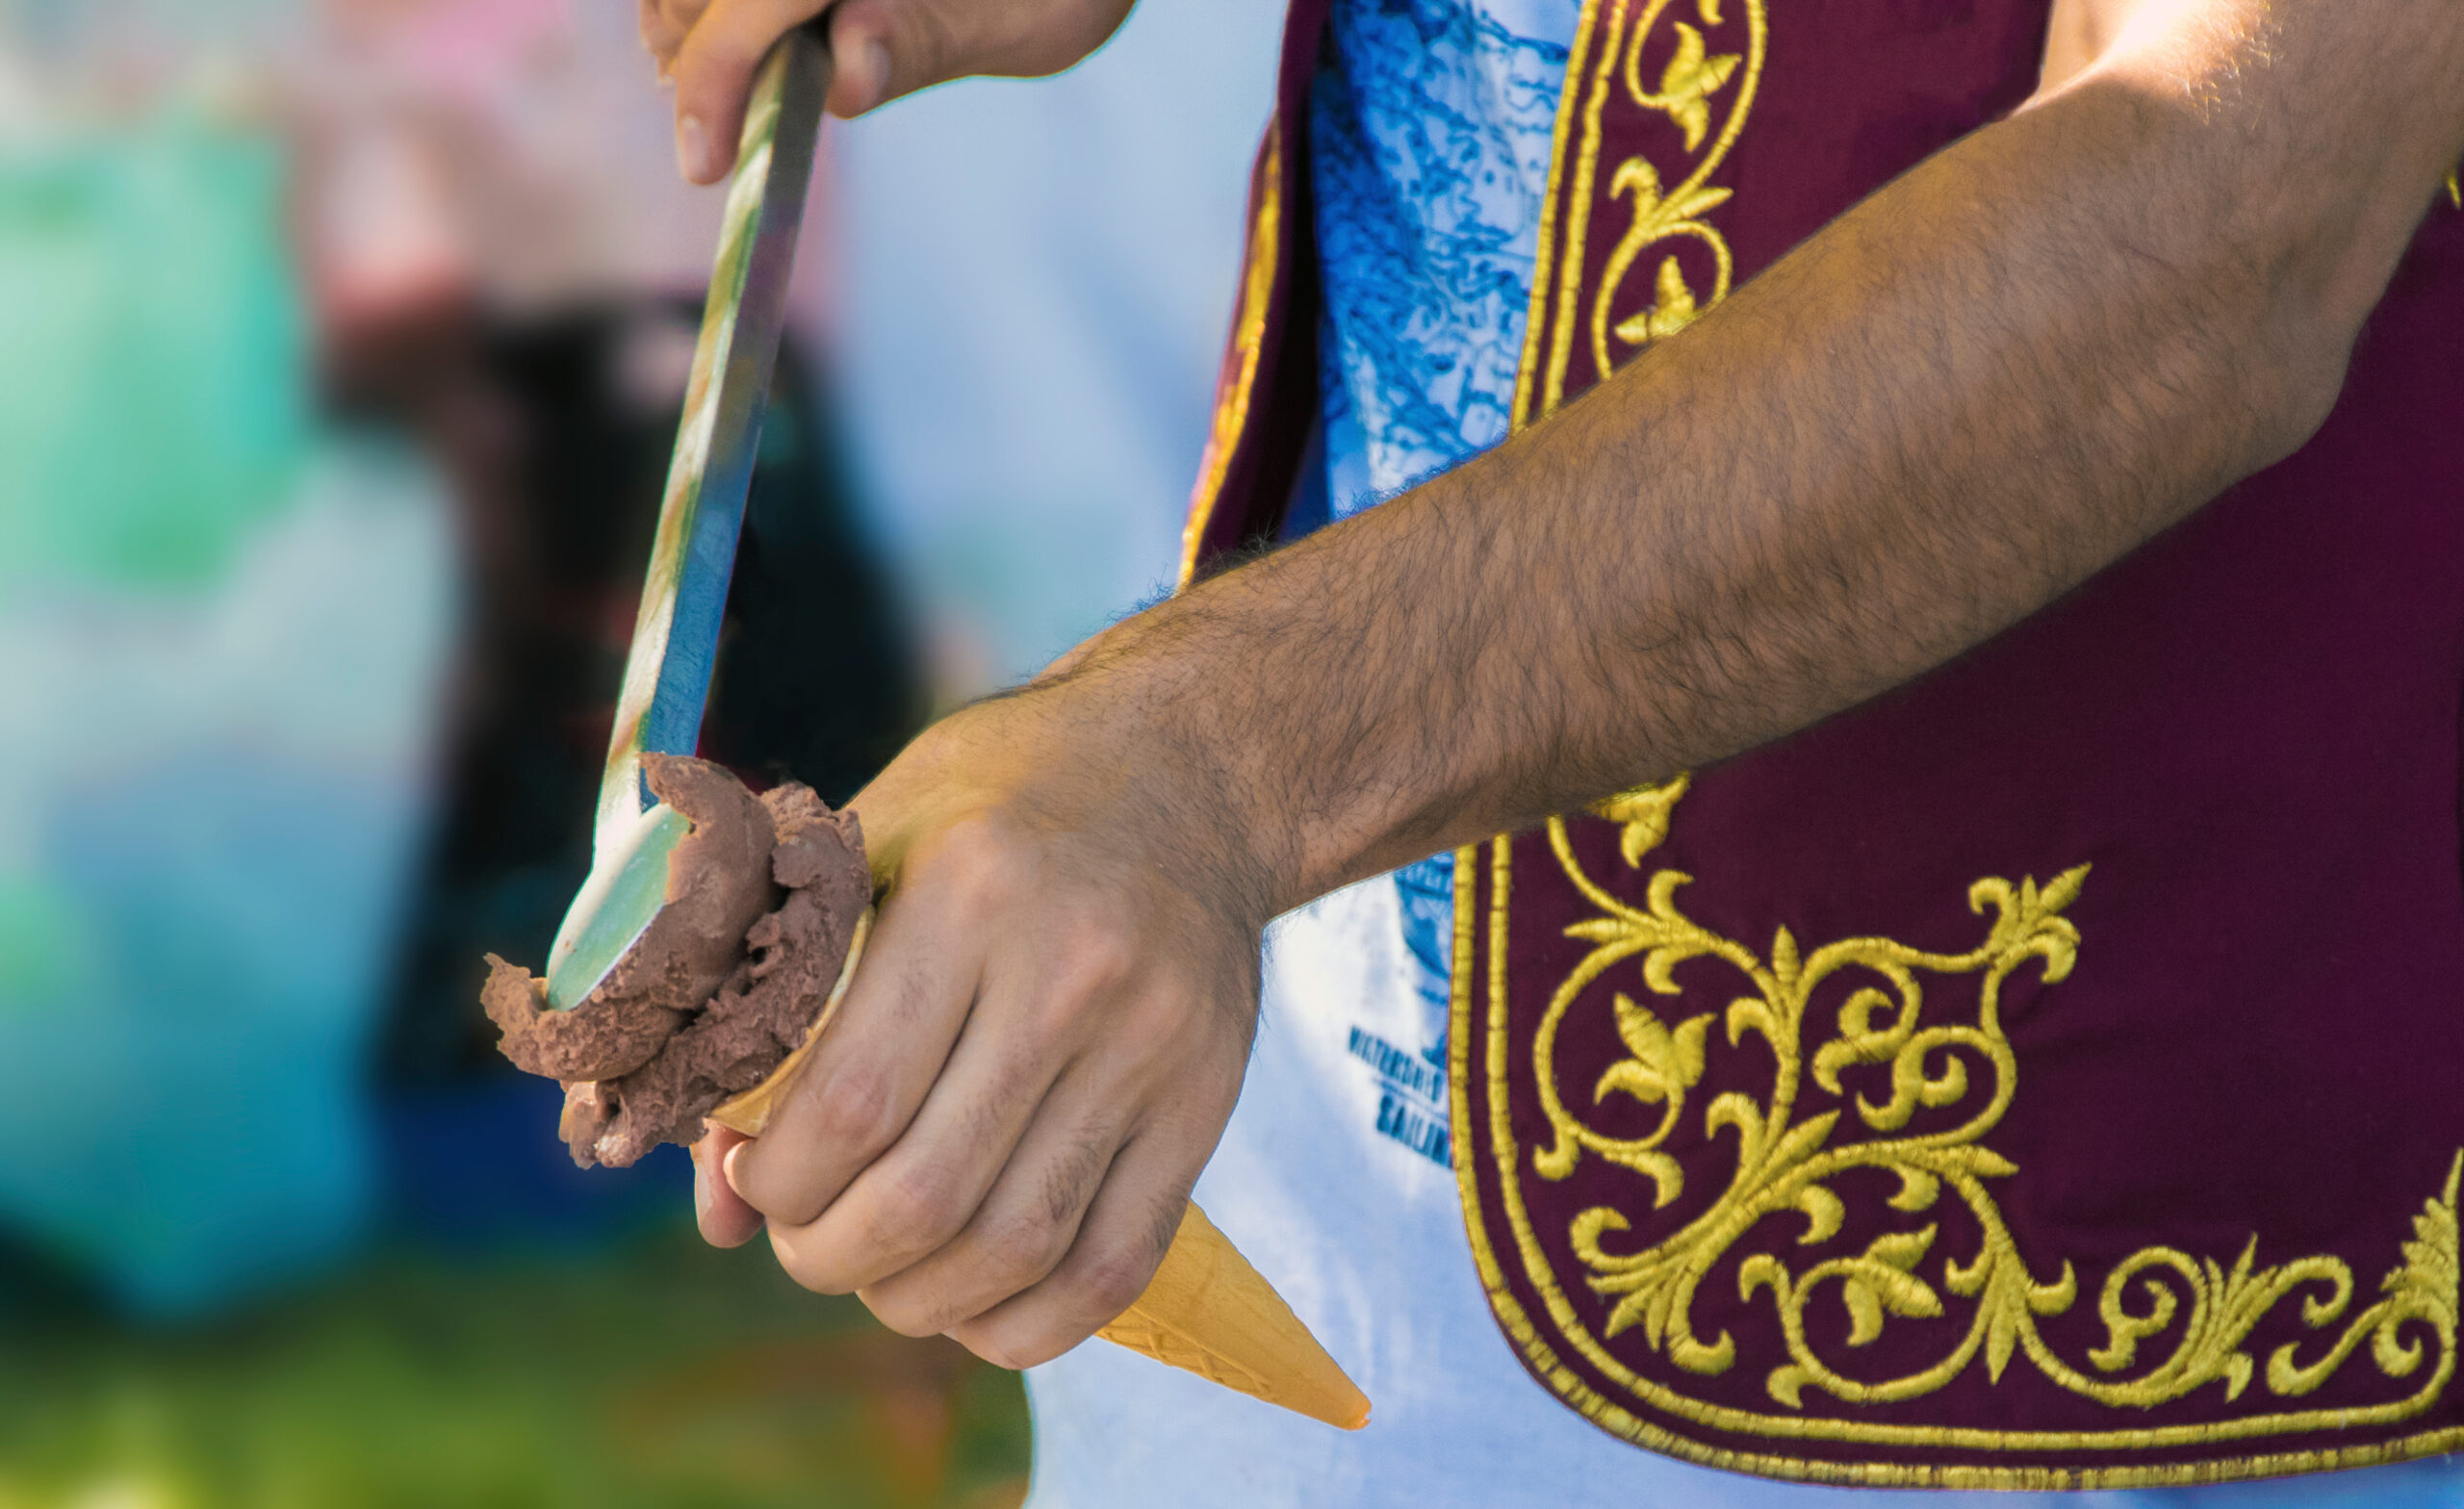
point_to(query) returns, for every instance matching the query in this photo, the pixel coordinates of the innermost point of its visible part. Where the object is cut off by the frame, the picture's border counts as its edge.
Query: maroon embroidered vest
(2050, 1073)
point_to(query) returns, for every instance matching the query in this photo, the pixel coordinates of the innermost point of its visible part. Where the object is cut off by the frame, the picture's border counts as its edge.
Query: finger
(1005, 1066)
(1025, 1225)
(664, 24)
(1118, 1246)
(713, 73)
(913, 1199)
(909, 1203)
(861, 42)
(871, 1072)
(725, 1219)
(886, 48)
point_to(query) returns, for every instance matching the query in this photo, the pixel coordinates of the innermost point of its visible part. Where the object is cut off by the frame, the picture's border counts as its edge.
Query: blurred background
(344, 343)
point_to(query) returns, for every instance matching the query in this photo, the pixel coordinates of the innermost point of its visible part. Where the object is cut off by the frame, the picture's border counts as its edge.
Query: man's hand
(883, 49)
(998, 1135)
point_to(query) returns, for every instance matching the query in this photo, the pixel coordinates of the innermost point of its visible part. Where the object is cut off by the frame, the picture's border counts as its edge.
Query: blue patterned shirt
(1432, 127)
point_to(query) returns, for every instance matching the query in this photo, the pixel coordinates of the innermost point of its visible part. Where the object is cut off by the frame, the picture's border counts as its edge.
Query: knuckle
(1164, 1017)
(979, 857)
(1112, 1277)
(1019, 1248)
(1069, 1183)
(1095, 961)
(915, 1209)
(858, 1113)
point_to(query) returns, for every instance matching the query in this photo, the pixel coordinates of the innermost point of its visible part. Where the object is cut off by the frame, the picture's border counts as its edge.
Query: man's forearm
(1999, 375)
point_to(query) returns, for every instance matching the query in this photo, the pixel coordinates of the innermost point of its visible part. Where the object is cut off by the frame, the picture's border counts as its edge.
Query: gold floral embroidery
(1697, 86)
(1691, 77)
(1788, 1159)
(1643, 814)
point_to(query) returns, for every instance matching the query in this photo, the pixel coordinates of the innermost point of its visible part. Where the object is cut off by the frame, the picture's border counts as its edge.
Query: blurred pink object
(508, 154)
(474, 50)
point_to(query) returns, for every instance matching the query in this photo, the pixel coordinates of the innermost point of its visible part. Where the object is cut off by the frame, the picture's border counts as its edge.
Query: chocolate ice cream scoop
(762, 901)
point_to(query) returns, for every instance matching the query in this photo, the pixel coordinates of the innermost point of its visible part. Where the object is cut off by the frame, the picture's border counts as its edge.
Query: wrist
(1178, 782)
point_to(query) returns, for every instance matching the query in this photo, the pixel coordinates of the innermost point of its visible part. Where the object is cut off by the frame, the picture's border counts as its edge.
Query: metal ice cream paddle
(667, 672)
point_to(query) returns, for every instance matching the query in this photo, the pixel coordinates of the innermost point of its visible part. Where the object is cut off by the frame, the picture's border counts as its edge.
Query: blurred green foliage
(661, 1375)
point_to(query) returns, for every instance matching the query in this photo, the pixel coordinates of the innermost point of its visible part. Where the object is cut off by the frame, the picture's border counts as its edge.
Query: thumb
(713, 74)
(886, 48)
(878, 49)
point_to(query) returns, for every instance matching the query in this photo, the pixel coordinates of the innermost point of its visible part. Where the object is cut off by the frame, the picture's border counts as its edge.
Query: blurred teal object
(223, 634)
(153, 404)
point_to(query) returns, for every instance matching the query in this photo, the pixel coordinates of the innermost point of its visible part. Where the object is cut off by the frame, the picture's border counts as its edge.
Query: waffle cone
(1206, 1311)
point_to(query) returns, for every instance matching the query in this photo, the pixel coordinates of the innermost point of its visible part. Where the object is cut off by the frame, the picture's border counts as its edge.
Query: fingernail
(701, 1191)
(692, 148)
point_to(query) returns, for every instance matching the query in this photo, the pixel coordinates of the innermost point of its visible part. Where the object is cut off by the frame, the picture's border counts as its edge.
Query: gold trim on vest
(1248, 336)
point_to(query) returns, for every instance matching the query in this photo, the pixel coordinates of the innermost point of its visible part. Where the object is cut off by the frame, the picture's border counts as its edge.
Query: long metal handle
(667, 672)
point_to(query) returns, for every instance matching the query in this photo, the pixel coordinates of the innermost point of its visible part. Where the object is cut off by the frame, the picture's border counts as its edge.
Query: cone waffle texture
(751, 1112)
(1208, 1311)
